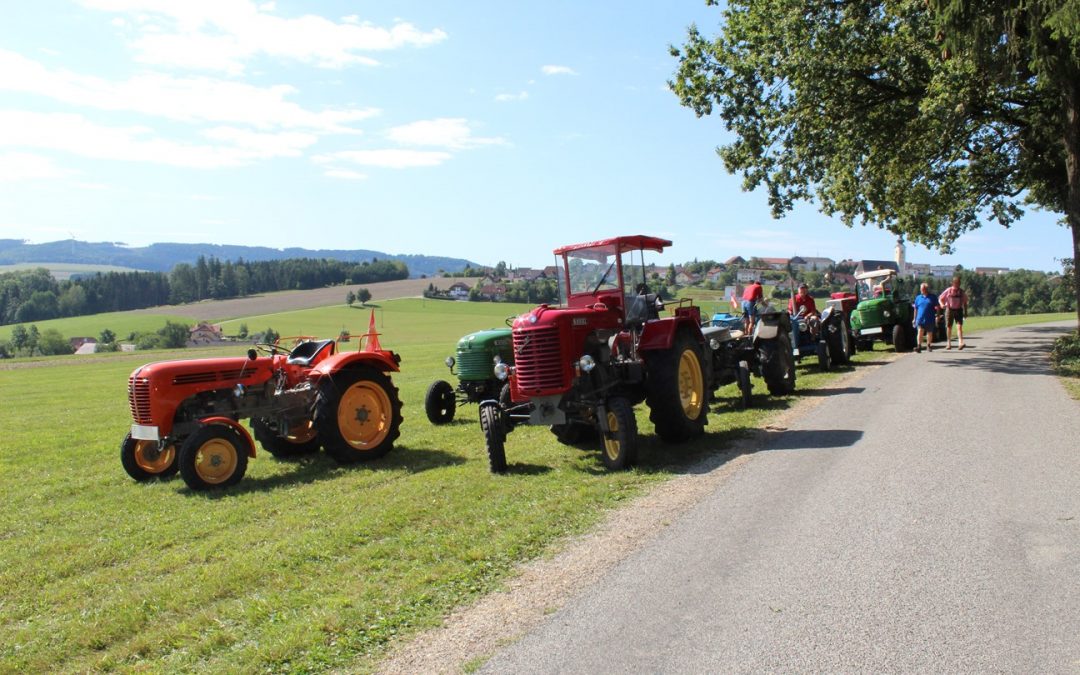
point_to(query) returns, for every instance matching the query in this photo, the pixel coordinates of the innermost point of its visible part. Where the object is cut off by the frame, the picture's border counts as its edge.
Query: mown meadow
(304, 565)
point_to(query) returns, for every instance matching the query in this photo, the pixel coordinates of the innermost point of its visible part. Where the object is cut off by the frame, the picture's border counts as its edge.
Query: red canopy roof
(631, 242)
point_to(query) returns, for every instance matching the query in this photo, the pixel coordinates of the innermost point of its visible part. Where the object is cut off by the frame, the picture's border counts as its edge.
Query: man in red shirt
(750, 297)
(802, 300)
(955, 302)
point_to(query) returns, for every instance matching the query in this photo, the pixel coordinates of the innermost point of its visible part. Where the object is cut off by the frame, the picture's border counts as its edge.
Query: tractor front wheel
(676, 391)
(358, 415)
(841, 345)
(440, 403)
(143, 460)
(215, 456)
(299, 439)
(619, 449)
(824, 356)
(780, 367)
(494, 437)
(746, 387)
(900, 338)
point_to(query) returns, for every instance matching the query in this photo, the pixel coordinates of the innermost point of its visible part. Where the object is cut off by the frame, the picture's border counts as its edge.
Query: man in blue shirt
(926, 306)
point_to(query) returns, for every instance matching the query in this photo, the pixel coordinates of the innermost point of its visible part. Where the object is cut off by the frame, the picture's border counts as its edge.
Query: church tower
(901, 261)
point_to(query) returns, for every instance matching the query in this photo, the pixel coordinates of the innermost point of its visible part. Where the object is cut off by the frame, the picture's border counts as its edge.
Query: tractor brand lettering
(580, 321)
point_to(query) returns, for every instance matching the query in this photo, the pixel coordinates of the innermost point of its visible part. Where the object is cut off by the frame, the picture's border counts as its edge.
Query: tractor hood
(492, 338)
(874, 312)
(476, 353)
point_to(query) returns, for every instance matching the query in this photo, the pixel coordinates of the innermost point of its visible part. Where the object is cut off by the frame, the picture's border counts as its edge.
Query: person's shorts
(926, 325)
(748, 309)
(954, 315)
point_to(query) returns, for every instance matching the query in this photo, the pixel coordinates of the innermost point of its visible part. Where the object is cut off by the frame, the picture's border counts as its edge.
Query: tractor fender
(657, 335)
(382, 360)
(230, 422)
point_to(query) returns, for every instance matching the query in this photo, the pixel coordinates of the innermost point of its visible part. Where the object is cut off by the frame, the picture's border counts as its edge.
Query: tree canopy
(923, 117)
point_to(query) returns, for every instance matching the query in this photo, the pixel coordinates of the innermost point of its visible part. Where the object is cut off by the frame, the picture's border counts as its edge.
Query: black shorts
(954, 315)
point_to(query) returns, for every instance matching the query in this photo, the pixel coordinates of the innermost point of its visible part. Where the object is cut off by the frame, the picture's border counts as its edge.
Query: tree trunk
(1072, 169)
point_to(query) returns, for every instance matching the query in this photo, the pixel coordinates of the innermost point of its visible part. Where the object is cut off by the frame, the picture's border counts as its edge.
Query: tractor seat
(305, 352)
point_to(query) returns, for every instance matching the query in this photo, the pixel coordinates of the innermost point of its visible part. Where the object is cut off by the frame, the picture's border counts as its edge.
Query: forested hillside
(34, 295)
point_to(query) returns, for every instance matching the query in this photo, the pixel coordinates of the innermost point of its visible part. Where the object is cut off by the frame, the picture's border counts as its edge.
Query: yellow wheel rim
(301, 432)
(691, 384)
(152, 460)
(363, 415)
(611, 445)
(216, 461)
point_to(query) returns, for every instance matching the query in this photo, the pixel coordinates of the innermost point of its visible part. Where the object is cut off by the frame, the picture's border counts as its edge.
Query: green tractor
(477, 354)
(883, 312)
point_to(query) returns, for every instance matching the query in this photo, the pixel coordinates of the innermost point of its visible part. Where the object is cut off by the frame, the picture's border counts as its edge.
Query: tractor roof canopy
(875, 274)
(620, 244)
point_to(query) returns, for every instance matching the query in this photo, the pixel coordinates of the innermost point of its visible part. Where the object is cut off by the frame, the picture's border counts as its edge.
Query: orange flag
(372, 337)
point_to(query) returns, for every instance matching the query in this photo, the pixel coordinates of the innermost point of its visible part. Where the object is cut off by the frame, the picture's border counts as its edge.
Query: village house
(496, 292)
(714, 275)
(812, 264)
(775, 263)
(991, 270)
(748, 274)
(83, 345)
(204, 333)
(735, 260)
(458, 290)
(684, 278)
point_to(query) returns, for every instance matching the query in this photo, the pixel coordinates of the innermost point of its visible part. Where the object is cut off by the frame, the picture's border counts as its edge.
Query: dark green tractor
(883, 312)
(475, 360)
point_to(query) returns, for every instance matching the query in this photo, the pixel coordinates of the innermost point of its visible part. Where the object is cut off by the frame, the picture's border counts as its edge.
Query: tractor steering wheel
(270, 349)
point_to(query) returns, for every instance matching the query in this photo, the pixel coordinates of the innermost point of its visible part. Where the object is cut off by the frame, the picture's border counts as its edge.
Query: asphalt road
(927, 519)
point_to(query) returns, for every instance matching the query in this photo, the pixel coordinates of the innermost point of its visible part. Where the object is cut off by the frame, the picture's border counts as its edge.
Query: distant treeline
(34, 295)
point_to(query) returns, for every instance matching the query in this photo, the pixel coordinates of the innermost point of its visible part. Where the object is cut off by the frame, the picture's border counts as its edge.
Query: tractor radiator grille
(475, 364)
(139, 400)
(211, 376)
(538, 365)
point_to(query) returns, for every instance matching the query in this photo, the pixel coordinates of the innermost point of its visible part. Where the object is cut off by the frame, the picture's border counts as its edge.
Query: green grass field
(65, 270)
(305, 565)
(120, 323)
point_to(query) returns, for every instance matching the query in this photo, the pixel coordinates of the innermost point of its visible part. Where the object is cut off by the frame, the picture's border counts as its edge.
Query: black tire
(619, 447)
(746, 387)
(214, 457)
(573, 434)
(302, 439)
(440, 403)
(841, 346)
(900, 338)
(824, 357)
(143, 460)
(780, 367)
(358, 414)
(676, 393)
(494, 437)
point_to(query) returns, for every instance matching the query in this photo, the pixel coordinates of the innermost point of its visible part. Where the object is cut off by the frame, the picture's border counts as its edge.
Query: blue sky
(483, 130)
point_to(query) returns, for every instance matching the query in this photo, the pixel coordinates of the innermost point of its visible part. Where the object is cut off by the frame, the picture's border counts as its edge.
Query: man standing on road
(926, 305)
(750, 297)
(955, 301)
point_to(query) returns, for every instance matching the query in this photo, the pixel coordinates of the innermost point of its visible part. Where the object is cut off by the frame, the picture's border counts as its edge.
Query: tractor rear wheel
(358, 414)
(780, 367)
(215, 456)
(301, 438)
(619, 449)
(494, 437)
(676, 391)
(440, 402)
(143, 460)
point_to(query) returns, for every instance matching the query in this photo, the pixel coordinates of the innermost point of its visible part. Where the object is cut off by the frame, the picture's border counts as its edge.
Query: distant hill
(162, 257)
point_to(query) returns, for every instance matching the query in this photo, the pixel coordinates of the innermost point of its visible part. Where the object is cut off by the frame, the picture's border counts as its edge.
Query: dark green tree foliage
(363, 295)
(923, 117)
(52, 343)
(36, 296)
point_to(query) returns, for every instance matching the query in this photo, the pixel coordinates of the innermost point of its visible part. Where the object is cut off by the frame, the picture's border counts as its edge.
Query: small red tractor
(186, 414)
(582, 366)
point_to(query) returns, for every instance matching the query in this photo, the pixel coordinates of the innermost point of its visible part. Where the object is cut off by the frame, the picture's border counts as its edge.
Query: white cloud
(388, 159)
(557, 70)
(194, 99)
(77, 135)
(346, 174)
(25, 166)
(521, 96)
(224, 34)
(446, 132)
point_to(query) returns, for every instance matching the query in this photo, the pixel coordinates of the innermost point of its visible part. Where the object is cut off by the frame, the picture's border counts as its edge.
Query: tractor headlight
(533, 318)
(587, 363)
(804, 326)
(238, 390)
(502, 371)
(885, 313)
(450, 361)
(714, 344)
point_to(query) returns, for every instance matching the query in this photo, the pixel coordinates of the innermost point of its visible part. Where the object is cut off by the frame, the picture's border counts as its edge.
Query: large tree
(923, 117)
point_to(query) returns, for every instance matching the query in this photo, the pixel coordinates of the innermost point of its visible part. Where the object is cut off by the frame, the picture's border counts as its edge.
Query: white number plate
(870, 331)
(142, 432)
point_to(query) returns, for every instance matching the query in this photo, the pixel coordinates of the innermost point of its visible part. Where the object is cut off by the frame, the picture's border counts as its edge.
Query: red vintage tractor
(186, 414)
(582, 366)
